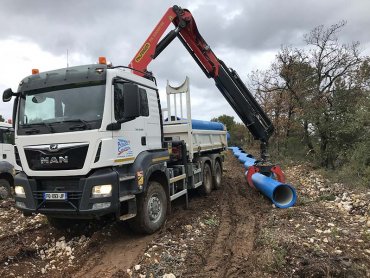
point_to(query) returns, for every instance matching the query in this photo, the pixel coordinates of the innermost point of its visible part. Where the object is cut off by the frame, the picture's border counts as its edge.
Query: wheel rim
(207, 178)
(154, 208)
(218, 174)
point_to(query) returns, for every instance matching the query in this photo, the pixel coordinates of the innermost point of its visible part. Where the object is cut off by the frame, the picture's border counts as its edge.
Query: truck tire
(5, 190)
(151, 210)
(217, 175)
(207, 186)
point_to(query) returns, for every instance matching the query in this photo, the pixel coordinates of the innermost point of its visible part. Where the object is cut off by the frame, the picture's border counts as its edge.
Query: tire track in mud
(232, 244)
(234, 240)
(116, 255)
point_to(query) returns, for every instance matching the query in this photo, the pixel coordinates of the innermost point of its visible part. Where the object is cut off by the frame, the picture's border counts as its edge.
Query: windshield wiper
(84, 124)
(32, 131)
(51, 129)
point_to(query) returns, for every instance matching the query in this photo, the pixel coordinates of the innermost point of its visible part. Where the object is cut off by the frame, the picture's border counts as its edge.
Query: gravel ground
(234, 232)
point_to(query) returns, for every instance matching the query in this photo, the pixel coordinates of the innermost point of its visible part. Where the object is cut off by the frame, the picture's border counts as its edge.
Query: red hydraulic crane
(226, 79)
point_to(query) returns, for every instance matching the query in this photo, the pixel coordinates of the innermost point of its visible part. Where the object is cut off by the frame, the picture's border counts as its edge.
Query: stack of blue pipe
(281, 194)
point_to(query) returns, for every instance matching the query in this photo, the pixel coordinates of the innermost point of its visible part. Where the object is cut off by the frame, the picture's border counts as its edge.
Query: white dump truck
(93, 140)
(7, 160)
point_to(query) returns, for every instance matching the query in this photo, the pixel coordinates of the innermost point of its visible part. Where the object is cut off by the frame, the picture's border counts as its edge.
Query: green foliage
(228, 121)
(358, 165)
(2, 118)
(279, 258)
(327, 197)
(239, 134)
(212, 221)
(318, 98)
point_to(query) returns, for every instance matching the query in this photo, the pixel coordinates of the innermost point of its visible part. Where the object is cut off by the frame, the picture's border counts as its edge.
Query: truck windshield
(64, 109)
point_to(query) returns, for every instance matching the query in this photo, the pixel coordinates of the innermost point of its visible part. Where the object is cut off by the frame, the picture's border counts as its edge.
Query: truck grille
(69, 186)
(66, 158)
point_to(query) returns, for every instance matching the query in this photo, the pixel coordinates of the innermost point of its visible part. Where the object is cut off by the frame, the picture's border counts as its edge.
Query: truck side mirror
(7, 95)
(131, 101)
(131, 105)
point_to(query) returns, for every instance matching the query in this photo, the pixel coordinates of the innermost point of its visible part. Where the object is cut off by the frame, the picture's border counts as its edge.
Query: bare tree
(310, 88)
(333, 64)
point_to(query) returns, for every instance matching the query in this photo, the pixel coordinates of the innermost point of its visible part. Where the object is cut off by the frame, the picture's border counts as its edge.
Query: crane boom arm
(226, 79)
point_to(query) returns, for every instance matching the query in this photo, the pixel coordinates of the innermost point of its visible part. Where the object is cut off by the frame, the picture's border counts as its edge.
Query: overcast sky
(246, 35)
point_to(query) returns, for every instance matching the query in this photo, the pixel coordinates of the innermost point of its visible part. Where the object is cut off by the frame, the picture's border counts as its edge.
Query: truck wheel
(207, 185)
(217, 175)
(5, 190)
(151, 210)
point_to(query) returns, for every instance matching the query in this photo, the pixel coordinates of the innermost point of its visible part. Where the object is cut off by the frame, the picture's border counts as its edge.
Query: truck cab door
(131, 136)
(8, 146)
(1, 144)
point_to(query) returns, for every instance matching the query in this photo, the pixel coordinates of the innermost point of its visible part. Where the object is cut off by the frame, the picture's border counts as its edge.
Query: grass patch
(279, 258)
(348, 175)
(212, 221)
(273, 254)
(366, 236)
(266, 238)
(327, 197)
(303, 200)
(334, 233)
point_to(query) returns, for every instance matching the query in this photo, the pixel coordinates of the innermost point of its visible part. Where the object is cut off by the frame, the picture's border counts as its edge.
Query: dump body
(199, 136)
(197, 140)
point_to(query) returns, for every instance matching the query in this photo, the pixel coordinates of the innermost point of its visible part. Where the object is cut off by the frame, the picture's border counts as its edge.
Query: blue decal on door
(124, 148)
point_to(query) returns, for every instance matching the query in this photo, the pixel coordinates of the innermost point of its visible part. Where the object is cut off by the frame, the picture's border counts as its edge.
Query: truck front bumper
(79, 202)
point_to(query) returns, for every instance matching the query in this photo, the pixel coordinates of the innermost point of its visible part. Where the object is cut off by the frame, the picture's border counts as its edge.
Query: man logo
(54, 160)
(53, 147)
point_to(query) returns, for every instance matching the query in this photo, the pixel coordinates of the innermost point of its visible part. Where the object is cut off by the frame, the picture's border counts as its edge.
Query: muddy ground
(234, 232)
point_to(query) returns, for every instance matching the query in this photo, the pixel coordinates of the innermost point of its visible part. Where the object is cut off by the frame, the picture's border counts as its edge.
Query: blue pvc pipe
(203, 125)
(234, 149)
(206, 125)
(242, 157)
(238, 153)
(281, 194)
(249, 162)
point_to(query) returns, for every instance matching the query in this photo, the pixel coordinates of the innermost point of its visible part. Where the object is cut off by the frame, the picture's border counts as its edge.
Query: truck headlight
(19, 191)
(104, 190)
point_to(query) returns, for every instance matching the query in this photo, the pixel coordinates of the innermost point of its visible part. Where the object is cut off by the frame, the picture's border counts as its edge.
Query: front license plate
(55, 196)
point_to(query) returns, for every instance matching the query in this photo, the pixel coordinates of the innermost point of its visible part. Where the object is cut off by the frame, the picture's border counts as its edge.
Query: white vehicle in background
(7, 160)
